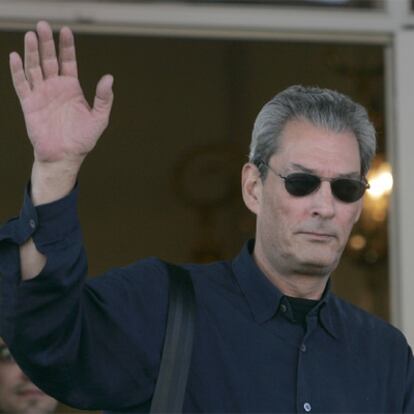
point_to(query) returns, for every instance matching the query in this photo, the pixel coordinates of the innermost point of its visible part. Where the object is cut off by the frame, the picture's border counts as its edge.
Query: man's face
(17, 394)
(305, 235)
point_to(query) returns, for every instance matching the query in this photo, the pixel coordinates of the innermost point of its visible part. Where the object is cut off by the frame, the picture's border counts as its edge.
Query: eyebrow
(302, 168)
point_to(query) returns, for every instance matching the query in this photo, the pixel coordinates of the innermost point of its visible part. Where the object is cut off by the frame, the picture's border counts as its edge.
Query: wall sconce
(369, 241)
(377, 197)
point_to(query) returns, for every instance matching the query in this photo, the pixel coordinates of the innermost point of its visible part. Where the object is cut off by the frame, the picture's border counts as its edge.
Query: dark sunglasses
(301, 184)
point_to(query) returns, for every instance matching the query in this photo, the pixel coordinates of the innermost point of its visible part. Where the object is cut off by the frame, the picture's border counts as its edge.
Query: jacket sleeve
(90, 343)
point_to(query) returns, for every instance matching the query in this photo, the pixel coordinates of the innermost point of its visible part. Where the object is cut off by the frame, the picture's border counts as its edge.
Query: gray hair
(322, 107)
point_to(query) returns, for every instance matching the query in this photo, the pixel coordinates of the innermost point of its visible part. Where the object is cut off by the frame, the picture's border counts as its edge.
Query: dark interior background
(164, 179)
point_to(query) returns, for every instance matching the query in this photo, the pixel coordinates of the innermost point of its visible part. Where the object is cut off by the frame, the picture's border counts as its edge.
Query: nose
(323, 201)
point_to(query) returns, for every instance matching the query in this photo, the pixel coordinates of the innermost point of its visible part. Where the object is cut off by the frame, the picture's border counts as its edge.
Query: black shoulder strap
(175, 363)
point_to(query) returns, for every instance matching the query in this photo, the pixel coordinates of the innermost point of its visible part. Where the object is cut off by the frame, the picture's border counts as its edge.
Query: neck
(293, 284)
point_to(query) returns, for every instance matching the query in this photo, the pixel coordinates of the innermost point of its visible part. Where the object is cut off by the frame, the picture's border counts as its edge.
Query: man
(269, 336)
(17, 394)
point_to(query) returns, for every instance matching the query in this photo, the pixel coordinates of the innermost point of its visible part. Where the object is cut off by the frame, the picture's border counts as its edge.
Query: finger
(20, 83)
(47, 49)
(31, 59)
(104, 96)
(67, 53)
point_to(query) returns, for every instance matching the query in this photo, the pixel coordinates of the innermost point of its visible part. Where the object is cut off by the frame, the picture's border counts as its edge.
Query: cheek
(291, 211)
(5, 390)
(348, 221)
(279, 217)
(7, 379)
(3, 379)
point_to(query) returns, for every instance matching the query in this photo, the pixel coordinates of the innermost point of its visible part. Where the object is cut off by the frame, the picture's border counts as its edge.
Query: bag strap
(176, 357)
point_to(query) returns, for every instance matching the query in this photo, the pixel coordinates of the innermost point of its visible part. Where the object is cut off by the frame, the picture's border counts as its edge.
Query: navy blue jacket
(97, 343)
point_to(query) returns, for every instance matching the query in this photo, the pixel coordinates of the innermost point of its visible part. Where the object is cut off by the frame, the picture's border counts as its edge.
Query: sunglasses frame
(363, 182)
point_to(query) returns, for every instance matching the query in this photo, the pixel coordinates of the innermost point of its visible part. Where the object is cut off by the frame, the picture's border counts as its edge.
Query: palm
(60, 123)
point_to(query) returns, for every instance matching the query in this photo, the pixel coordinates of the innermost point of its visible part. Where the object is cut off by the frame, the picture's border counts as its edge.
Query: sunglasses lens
(348, 190)
(344, 189)
(300, 184)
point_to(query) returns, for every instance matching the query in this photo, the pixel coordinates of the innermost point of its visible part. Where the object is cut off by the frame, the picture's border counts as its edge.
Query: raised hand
(61, 125)
(59, 121)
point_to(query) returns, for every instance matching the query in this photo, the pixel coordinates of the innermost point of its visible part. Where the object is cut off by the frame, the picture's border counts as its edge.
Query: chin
(317, 268)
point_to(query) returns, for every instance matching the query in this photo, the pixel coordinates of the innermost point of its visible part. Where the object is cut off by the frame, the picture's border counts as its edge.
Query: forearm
(32, 261)
(49, 182)
(54, 229)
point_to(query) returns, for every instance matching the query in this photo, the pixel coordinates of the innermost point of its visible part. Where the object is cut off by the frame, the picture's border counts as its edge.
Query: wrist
(51, 181)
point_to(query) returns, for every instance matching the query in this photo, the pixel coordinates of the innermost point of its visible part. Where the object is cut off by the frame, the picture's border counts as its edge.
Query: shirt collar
(328, 315)
(324, 311)
(264, 298)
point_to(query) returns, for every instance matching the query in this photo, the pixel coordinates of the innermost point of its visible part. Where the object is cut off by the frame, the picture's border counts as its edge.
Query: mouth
(318, 235)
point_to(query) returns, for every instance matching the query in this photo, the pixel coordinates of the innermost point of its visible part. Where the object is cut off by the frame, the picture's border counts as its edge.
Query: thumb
(104, 96)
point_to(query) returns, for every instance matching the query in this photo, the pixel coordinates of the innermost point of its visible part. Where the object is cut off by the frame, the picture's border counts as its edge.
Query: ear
(251, 187)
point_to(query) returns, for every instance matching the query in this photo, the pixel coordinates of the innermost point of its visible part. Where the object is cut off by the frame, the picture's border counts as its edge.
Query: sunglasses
(301, 184)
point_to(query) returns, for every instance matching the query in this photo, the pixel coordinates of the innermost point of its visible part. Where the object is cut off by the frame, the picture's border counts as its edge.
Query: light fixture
(381, 181)
(369, 241)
